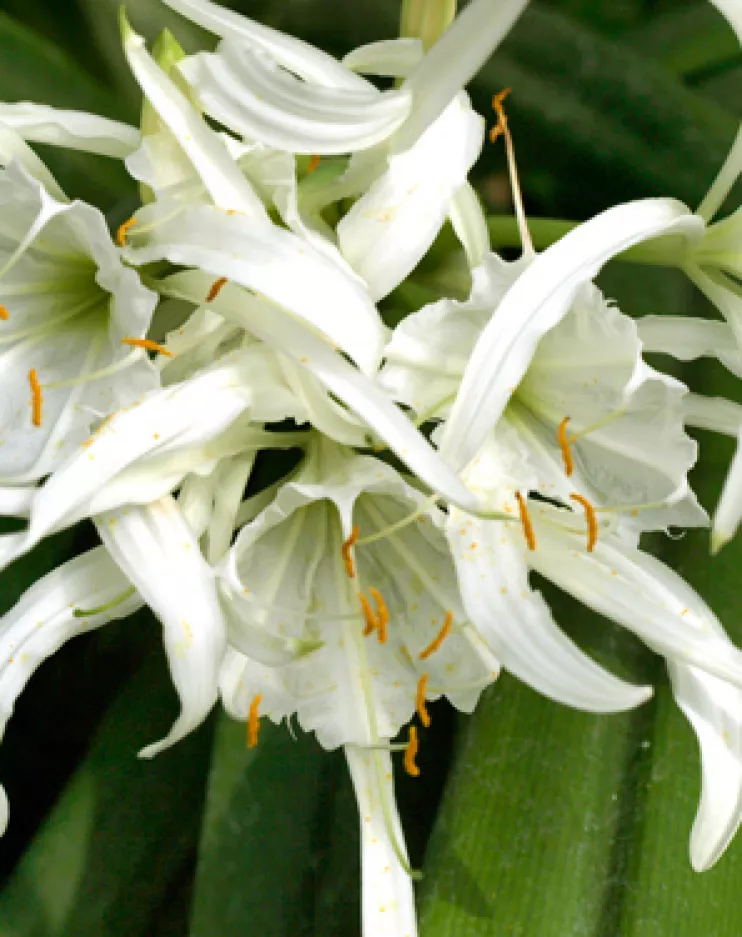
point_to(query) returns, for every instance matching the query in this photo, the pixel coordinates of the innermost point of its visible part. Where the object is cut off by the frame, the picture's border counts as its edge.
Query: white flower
(68, 307)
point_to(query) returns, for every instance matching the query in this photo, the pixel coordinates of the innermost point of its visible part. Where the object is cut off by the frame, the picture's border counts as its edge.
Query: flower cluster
(435, 466)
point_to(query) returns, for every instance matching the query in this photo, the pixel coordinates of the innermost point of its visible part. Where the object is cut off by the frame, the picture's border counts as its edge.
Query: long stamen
(410, 753)
(37, 397)
(382, 614)
(253, 721)
(592, 521)
(89, 612)
(148, 344)
(123, 230)
(502, 129)
(439, 638)
(372, 622)
(420, 701)
(350, 569)
(564, 443)
(425, 506)
(525, 519)
(216, 288)
(4, 314)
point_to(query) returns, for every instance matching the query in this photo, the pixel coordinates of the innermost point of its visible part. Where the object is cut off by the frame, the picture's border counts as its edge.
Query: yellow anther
(313, 163)
(410, 753)
(564, 443)
(382, 614)
(439, 638)
(4, 314)
(148, 344)
(420, 701)
(123, 231)
(592, 521)
(350, 569)
(372, 622)
(37, 397)
(216, 288)
(253, 721)
(501, 127)
(525, 519)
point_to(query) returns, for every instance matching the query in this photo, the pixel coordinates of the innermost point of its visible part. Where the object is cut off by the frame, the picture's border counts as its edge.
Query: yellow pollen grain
(372, 622)
(439, 638)
(37, 397)
(216, 288)
(569, 463)
(148, 344)
(350, 569)
(592, 521)
(253, 721)
(313, 163)
(382, 614)
(123, 231)
(422, 711)
(525, 519)
(4, 314)
(410, 753)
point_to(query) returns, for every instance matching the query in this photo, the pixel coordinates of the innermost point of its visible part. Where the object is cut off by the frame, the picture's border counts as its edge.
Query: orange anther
(313, 163)
(350, 569)
(37, 397)
(410, 753)
(439, 638)
(592, 521)
(123, 231)
(525, 519)
(148, 344)
(382, 614)
(4, 314)
(253, 721)
(501, 127)
(372, 622)
(216, 288)
(420, 701)
(564, 441)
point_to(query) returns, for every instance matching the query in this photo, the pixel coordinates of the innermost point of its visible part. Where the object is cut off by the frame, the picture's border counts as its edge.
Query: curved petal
(714, 709)
(277, 263)
(470, 224)
(686, 339)
(389, 58)
(713, 413)
(248, 93)
(517, 625)
(75, 130)
(390, 228)
(728, 512)
(13, 148)
(539, 299)
(159, 555)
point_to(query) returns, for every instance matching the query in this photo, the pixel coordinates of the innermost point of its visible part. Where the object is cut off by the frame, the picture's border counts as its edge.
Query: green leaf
(121, 831)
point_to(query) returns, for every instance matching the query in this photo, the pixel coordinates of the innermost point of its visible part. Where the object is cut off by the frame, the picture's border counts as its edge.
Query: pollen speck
(4, 314)
(525, 520)
(313, 163)
(382, 614)
(123, 230)
(411, 753)
(592, 521)
(564, 443)
(420, 701)
(347, 546)
(37, 397)
(253, 721)
(216, 288)
(148, 344)
(439, 638)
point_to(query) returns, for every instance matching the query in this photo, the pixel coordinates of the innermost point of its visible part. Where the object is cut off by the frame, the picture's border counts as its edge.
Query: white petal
(221, 177)
(536, 302)
(714, 709)
(732, 166)
(713, 413)
(638, 592)
(686, 339)
(350, 386)
(158, 553)
(517, 625)
(233, 475)
(454, 60)
(16, 502)
(389, 58)
(388, 902)
(247, 92)
(73, 129)
(724, 292)
(13, 148)
(242, 679)
(728, 512)
(298, 57)
(390, 228)
(275, 262)
(470, 224)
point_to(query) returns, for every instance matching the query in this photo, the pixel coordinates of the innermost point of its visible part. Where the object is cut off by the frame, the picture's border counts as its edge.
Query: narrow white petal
(349, 385)
(454, 60)
(714, 709)
(517, 625)
(686, 338)
(389, 58)
(732, 165)
(13, 148)
(388, 901)
(298, 57)
(728, 512)
(278, 264)
(156, 550)
(539, 299)
(469, 223)
(76, 130)
(220, 175)
(16, 502)
(256, 99)
(390, 228)
(725, 293)
(713, 413)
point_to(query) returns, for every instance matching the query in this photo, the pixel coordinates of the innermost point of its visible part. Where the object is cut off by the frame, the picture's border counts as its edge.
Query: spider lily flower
(67, 306)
